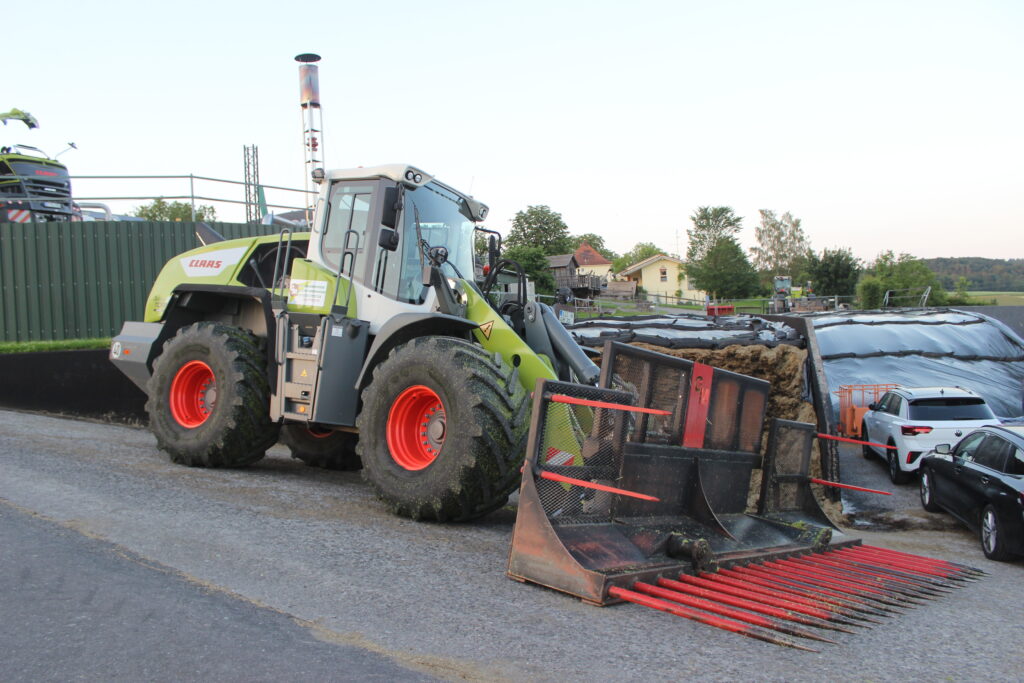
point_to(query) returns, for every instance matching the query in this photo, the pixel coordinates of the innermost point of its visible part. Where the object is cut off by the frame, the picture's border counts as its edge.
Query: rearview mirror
(872, 406)
(942, 449)
(387, 239)
(392, 205)
(492, 251)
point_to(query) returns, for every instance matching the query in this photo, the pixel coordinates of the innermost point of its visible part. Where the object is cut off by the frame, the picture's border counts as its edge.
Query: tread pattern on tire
(490, 389)
(241, 435)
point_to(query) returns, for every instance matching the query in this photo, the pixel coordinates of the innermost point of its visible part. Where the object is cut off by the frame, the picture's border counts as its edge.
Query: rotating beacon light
(312, 124)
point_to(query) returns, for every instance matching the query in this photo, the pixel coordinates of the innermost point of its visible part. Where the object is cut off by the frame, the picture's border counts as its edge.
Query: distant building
(662, 275)
(565, 269)
(591, 262)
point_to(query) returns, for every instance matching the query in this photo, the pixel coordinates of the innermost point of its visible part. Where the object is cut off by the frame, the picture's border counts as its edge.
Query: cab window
(344, 238)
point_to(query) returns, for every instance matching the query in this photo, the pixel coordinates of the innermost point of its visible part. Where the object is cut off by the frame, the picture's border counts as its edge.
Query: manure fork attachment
(637, 492)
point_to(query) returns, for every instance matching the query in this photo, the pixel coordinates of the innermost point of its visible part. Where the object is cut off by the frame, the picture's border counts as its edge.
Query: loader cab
(374, 225)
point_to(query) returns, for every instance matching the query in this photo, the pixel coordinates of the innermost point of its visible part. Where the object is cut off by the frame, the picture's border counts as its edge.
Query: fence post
(192, 194)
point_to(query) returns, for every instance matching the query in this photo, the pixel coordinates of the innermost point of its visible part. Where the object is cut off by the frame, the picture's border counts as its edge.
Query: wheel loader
(369, 340)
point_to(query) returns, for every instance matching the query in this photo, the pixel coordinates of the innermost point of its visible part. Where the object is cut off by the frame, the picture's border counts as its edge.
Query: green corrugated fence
(82, 280)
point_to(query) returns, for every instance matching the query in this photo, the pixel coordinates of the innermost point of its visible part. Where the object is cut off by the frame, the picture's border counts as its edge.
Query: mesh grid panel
(787, 466)
(580, 442)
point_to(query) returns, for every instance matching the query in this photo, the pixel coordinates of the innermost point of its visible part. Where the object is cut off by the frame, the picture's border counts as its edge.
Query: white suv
(917, 420)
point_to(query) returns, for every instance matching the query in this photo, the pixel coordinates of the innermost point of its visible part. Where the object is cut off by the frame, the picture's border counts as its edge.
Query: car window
(895, 403)
(881, 405)
(991, 453)
(950, 409)
(1015, 464)
(966, 448)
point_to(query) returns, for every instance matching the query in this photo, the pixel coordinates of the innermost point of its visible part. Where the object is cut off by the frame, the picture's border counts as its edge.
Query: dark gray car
(981, 482)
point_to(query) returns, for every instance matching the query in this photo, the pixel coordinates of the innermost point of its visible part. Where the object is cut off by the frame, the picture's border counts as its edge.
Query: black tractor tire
(867, 451)
(458, 420)
(209, 401)
(993, 540)
(927, 485)
(898, 476)
(318, 447)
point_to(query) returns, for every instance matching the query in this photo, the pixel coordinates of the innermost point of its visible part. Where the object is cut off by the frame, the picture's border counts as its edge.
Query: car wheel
(928, 492)
(897, 475)
(992, 541)
(866, 450)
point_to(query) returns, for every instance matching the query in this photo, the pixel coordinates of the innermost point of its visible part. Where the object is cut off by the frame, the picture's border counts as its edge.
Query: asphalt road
(285, 566)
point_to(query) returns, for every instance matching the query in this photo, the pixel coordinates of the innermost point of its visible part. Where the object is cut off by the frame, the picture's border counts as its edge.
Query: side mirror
(492, 251)
(942, 449)
(872, 406)
(387, 239)
(392, 205)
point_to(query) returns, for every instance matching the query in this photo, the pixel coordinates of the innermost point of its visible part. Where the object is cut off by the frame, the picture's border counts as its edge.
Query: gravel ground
(316, 546)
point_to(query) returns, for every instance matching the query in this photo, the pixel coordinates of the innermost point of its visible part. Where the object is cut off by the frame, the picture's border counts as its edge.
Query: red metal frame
(853, 403)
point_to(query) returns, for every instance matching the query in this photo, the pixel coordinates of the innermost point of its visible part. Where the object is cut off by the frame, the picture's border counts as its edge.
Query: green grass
(60, 345)
(1000, 298)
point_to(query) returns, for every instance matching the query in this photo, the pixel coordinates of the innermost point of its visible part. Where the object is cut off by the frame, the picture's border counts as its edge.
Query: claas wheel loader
(368, 340)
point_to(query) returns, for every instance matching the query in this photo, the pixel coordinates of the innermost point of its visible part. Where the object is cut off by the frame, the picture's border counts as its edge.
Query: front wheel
(992, 541)
(928, 492)
(443, 430)
(209, 401)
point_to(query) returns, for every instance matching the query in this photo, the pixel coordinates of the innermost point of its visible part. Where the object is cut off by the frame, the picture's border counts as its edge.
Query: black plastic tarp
(924, 348)
(684, 331)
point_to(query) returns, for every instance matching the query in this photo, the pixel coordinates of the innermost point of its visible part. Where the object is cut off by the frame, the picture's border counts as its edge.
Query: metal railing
(192, 196)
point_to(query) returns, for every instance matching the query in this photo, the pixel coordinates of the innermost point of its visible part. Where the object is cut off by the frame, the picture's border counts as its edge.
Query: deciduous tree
(639, 252)
(711, 224)
(782, 245)
(539, 226)
(834, 272)
(907, 272)
(724, 272)
(161, 210)
(535, 262)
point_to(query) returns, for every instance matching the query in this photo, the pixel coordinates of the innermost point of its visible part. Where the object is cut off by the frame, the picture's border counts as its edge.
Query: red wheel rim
(193, 394)
(319, 432)
(416, 428)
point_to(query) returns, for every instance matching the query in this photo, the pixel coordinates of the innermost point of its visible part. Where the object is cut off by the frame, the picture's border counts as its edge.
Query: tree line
(716, 263)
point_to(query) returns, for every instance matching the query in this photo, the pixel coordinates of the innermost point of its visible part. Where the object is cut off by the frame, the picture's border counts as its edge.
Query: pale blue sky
(880, 124)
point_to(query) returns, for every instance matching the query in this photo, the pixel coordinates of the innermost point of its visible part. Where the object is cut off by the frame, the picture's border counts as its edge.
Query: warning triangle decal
(486, 328)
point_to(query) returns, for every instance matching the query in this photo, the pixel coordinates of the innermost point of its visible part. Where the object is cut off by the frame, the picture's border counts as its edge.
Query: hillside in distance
(984, 274)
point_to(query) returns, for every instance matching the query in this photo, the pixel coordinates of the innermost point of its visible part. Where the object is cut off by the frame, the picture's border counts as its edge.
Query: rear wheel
(928, 492)
(320, 447)
(443, 430)
(992, 541)
(897, 475)
(209, 398)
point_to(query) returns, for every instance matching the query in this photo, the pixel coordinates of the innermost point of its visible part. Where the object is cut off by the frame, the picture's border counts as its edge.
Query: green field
(1001, 298)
